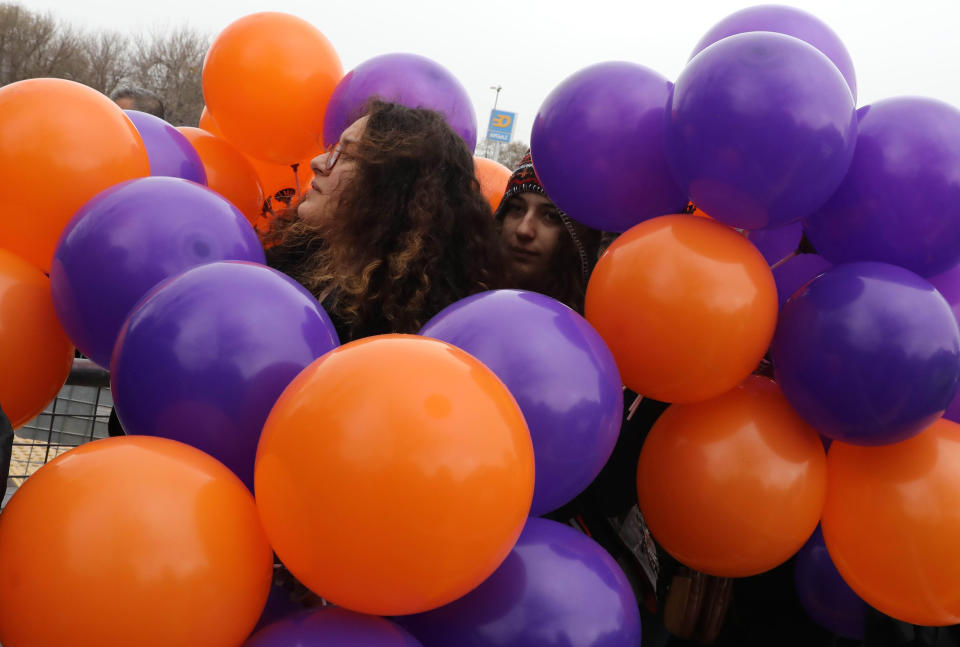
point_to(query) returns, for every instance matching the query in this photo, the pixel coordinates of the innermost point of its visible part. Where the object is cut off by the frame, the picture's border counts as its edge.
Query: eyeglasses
(333, 156)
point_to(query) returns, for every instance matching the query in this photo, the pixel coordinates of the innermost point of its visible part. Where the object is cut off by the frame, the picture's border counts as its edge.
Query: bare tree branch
(507, 154)
(169, 64)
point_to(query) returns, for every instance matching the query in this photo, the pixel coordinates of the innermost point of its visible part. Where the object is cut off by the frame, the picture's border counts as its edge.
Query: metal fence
(78, 415)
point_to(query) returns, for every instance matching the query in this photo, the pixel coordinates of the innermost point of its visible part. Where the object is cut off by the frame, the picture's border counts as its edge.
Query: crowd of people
(393, 229)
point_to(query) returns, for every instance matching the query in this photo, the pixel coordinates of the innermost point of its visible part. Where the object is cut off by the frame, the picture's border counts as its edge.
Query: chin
(308, 211)
(523, 278)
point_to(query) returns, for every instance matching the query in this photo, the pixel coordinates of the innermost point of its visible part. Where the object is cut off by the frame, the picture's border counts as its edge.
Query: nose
(319, 163)
(526, 228)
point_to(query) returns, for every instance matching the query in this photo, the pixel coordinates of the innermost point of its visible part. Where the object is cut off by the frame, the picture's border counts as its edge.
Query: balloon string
(634, 406)
(784, 259)
(296, 179)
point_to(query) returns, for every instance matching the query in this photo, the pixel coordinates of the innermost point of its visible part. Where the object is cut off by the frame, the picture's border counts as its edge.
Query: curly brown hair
(411, 233)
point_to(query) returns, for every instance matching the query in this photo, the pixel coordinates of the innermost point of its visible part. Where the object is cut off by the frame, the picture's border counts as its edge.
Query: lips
(522, 253)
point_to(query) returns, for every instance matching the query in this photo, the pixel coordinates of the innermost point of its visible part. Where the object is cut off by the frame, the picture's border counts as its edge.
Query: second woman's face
(332, 173)
(530, 235)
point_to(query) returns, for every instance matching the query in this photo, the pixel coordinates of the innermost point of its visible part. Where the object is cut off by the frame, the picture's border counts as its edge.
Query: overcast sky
(898, 47)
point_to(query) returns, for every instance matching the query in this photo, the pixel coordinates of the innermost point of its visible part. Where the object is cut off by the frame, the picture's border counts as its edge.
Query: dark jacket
(6, 449)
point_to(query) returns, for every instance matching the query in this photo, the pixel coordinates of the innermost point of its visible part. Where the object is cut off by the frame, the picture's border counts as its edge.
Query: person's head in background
(394, 227)
(545, 250)
(134, 98)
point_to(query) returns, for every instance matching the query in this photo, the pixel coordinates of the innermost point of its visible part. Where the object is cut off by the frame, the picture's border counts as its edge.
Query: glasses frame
(333, 156)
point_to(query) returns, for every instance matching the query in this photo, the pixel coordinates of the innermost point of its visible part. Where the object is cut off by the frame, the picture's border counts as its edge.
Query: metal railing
(77, 415)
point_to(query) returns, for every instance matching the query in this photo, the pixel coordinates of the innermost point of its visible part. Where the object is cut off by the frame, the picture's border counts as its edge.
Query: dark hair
(566, 277)
(410, 234)
(143, 100)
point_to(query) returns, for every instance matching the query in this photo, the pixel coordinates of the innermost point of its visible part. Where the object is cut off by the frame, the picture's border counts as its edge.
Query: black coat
(6, 449)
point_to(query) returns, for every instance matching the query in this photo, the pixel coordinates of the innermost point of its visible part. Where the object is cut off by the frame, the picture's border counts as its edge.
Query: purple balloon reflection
(792, 22)
(169, 152)
(761, 130)
(332, 627)
(203, 358)
(900, 201)
(826, 598)
(130, 237)
(867, 353)
(777, 243)
(556, 587)
(612, 115)
(408, 79)
(560, 372)
(793, 273)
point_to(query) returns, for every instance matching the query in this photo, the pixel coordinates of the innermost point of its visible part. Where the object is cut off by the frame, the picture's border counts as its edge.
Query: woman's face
(329, 182)
(530, 235)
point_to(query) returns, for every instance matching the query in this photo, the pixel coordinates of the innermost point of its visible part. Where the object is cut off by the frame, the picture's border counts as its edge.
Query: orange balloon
(394, 474)
(735, 485)
(267, 80)
(207, 123)
(134, 540)
(281, 184)
(892, 524)
(493, 177)
(282, 187)
(687, 306)
(35, 353)
(57, 128)
(229, 173)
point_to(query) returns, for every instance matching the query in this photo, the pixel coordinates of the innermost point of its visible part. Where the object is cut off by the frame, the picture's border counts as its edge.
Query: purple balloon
(761, 130)
(170, 153)
(792, 22)
(900, 201)
(953, 410)
(558, 369)
(868, 353)
(826, 598)
(130, 237)
(205, 355)
(777, 243)
(556, 587)
(608, 120)
(793, 273)
(948, 284)
(408, 79)
(332, 627)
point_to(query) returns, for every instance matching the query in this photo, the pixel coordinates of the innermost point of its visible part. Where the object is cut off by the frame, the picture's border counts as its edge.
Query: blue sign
(501, 125)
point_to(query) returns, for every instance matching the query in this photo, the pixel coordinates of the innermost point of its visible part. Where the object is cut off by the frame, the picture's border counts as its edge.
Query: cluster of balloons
(402, 475)
(392, 476)
(761, 131)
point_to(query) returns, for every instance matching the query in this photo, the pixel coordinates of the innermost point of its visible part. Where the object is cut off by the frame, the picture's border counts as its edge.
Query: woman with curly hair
(394, 227)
